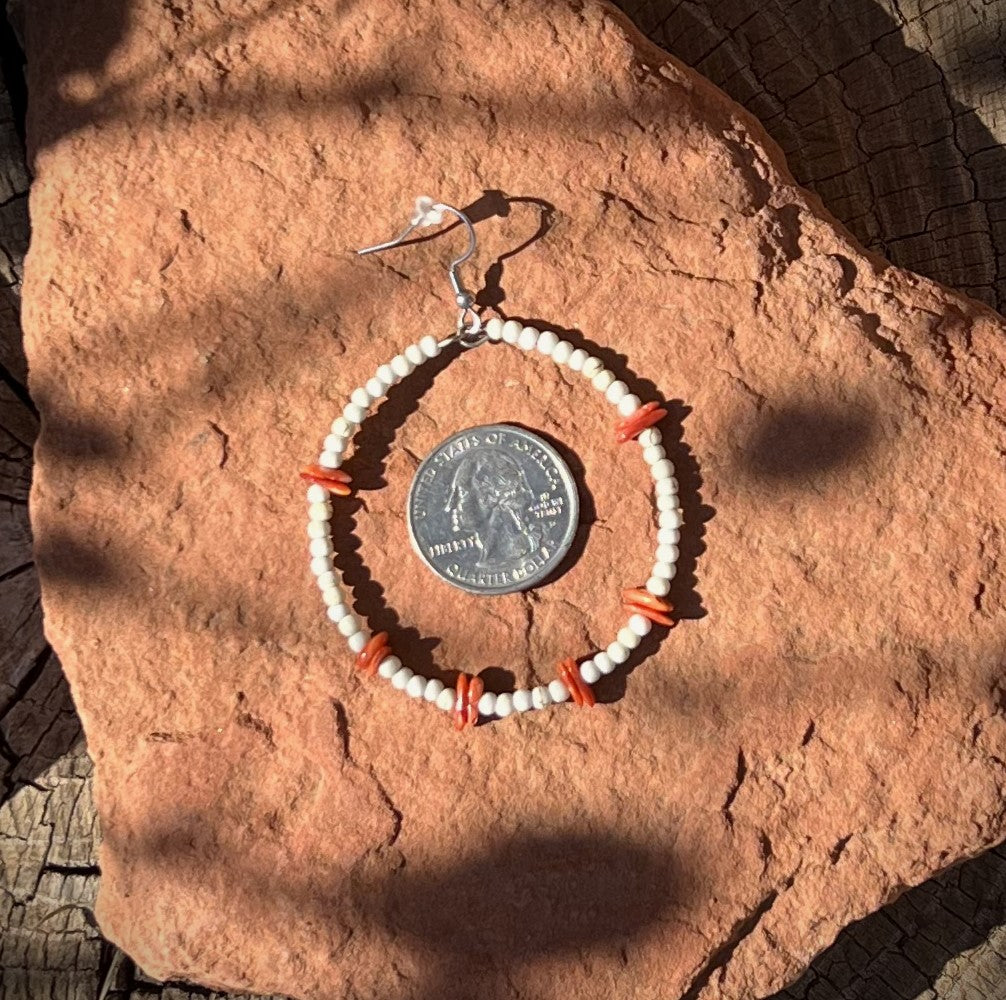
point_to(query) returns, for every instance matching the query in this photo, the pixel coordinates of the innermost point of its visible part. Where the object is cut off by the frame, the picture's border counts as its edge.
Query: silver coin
(493, 509)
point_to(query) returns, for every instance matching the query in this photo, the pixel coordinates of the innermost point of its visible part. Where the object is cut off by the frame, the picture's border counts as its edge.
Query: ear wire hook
(430, 213)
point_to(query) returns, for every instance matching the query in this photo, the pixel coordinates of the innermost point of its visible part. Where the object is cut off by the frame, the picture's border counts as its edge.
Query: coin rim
(567, 539)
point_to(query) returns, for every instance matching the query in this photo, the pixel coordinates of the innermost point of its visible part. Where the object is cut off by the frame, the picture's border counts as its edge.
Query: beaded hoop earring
(467, 701)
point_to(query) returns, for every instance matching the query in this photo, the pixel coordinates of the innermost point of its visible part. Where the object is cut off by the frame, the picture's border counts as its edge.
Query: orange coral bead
(581, 692)
(655, 616)
(371, 655)
(334, 480)
(466, 703)
(634, 424)
(640, 595)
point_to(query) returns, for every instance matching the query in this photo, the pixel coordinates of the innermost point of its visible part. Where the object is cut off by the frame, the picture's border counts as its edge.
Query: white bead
(446, 699)
(349, 625)
(333, 596)
(321, 546)
(511, 331)
(387, 375)
(561, 352)
(664, 570)
(558, 691)
(627, 638)
(540, 698)
(416, 686)
(341, 427)
(494, 329)
(358, 640)
(589, 672)
(414, 354)
(321, 564)
(653, 454)
(547, 342)
(616, 391)
(316, 493)
(669, 502)
(327, 580)
(668, 536)
(375, 387)
(649, 437)
(669, 519)
(317, 529)
(602, 380)
(662, 469)
(640, 624)
(336, 612)
(658, 586)
(604, 663)
(402, 677)
(336, 443)
(577, 358)
(361, 397)
(388, 667)
(667, 553)
(522, 700)
(591, 367)
(433, 686)
(617, 652)
(665, 487)
(319, 511)
(487, 704)
(528, 338)
(401, 365)
(330, 460)
(504, 705)
(430, 346)
(354, 413)
(628, 405)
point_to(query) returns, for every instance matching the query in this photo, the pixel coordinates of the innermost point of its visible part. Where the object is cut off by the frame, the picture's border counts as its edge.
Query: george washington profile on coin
(493, 509)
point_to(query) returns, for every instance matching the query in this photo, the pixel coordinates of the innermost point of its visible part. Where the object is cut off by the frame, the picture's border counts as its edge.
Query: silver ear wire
(430, 213)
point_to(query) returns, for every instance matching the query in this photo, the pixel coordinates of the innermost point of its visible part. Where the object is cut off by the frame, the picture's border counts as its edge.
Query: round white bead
(321, 546)
(387, 375)
(669, 519)
(494, 329)
(336, 443)
(667, 553)
(577, 359)
(504, 705)
(616, 391)
(327, 580)
(667, 502)
(668, 536)
(487, 704)
(321, 564)
(388, 667)
(348, 625)
(354, 412)
(414, 354)
(402, 677)
(433, 688)
(319, 511)
(658, 586)
(627, 638)
(316, 493)
(589, 672)
(591, 367)
(547, 342)
(446, 699)
(317, 529)
(665, 487)
(333, 596)
(640, 624)
(617, 652)
(361, 397)
(341, 427)
(653, 454)
(603, 662)
(561, 352)
(430, 346)
(602, 380)
(558, 691)
(540, 698)
(662, 469)
(401, 365)
(358, 640)
(628, 405)
(416, 686)
(330, 459)
(338, 611)
(375, 387)
(528, 338)
(522, 700)
(511, 331)
(664, 570)
(650, 437)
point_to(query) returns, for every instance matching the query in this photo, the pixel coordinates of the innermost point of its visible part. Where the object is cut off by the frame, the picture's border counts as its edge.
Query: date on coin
(493, 509)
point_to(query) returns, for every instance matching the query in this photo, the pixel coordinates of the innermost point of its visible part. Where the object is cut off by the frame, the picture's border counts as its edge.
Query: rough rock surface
(778, 766)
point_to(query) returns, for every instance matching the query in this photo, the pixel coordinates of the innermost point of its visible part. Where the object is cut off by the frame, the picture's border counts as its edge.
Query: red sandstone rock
(826, 728)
